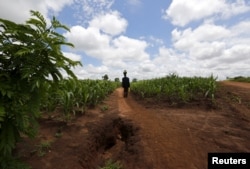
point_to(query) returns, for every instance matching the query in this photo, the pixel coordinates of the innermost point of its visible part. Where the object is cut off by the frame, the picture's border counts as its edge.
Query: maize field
(76, 95)
(175, 89)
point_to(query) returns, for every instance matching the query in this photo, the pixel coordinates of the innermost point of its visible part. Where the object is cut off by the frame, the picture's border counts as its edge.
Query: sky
(147, 38)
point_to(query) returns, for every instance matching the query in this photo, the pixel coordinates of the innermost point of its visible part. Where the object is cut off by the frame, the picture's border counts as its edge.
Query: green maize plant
(47, 103)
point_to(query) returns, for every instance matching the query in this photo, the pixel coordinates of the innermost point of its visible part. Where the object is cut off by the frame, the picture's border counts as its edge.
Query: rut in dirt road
(165, 144)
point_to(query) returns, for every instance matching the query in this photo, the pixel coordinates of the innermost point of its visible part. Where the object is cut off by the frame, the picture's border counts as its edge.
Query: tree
(134, 80)
(117, 79)
(30, 54)
(105, 77)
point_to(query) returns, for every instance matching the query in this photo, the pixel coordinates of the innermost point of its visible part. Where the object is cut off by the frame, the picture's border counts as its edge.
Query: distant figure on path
(125, 84)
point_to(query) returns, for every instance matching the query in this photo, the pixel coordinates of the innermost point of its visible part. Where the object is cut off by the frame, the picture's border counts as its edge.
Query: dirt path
(237, 84)
(166, 146)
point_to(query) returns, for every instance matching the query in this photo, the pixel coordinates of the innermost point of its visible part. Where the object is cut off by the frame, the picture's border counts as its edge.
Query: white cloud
(19, 11)
(134, 2)
(241, 29)
(96, 44)
(182, 12)
(97, 70)
(203, 58)
(235, 8)
(211, 32)
(156, 40)
(169, 61)
(115, 63)
(183, 40)
(130, 49)
(147, 66)
(206, 50)
(219, 49)
(88, 39)
(208, 41)
(90, 71)
(85, 10)
(235, 54)
(205, 42)
(111, 23)
(72, 56)
(115, 52)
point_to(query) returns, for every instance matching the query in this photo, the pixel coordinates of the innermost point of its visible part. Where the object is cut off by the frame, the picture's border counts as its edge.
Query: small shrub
(43, 148)
(112, 165)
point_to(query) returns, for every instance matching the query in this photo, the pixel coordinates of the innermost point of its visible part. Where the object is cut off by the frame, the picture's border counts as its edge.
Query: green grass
(43, 148)
(112, 165)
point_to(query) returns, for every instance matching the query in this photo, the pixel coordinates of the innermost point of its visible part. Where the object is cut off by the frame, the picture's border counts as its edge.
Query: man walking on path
(125, 84)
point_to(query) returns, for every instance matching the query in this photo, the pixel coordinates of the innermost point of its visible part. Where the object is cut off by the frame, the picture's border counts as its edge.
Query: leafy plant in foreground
(30, 53)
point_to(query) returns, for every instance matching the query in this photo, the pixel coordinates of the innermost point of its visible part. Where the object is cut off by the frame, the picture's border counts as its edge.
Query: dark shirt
(125, 82)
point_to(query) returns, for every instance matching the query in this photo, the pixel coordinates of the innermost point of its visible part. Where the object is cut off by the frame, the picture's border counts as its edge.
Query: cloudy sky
(149, 38)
